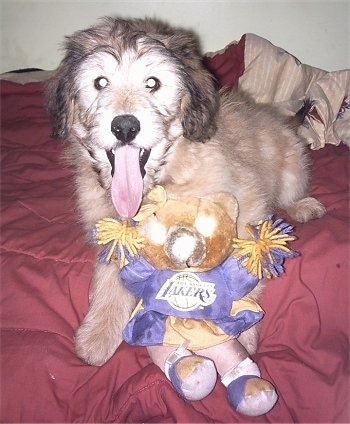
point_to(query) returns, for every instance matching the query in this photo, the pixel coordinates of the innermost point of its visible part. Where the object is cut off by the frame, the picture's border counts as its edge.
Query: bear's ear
(228, 202)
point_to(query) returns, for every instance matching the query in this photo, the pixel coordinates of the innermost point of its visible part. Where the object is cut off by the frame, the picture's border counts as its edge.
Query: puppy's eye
(100, 83)
(153, 83)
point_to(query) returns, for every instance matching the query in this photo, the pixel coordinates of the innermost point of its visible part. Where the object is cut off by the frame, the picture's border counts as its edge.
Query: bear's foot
(247, 392)
(192, 376)
(251, 395)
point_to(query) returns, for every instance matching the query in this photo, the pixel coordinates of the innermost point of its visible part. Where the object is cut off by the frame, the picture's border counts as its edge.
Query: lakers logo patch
(185, 291)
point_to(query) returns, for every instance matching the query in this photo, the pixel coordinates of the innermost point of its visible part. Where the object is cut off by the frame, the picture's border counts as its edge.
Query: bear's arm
(237, 278)
(136, 274)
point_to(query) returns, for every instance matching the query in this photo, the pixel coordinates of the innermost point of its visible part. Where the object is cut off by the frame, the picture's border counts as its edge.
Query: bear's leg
(192, 376)
(247, 392)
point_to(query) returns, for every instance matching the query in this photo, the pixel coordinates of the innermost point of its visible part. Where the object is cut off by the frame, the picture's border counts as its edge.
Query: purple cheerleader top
(209, 306)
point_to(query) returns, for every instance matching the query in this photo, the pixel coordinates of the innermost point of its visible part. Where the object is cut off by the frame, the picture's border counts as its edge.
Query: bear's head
(190, 233)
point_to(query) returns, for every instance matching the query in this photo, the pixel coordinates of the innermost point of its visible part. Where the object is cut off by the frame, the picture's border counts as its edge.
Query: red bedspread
(45, 273)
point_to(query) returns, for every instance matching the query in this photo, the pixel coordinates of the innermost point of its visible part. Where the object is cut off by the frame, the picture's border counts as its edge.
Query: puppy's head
(114, 37)
(131, 84)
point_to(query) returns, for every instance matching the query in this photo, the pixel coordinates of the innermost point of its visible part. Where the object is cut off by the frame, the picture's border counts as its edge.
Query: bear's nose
(185, 247)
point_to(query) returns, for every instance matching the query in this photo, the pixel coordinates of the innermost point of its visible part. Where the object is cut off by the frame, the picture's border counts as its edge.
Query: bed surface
(46, 268)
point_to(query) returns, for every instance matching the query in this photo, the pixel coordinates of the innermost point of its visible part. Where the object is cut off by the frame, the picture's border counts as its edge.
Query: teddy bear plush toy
(178, 259)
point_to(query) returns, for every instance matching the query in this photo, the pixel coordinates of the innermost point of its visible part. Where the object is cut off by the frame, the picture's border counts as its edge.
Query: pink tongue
(127, 183)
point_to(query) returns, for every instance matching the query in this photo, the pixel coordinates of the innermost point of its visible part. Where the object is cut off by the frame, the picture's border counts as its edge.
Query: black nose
(125, 127)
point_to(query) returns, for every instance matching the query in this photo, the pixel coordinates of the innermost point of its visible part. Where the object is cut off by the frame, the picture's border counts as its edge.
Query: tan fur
(201, 142)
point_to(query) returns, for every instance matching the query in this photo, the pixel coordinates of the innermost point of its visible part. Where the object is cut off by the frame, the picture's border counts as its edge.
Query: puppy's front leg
(100, 333)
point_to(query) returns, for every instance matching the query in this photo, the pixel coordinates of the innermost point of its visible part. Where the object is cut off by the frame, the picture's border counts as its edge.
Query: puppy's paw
(306, 209)
(95, 343)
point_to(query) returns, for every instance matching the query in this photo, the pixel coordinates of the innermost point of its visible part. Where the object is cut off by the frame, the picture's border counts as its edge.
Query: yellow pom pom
(119, 235)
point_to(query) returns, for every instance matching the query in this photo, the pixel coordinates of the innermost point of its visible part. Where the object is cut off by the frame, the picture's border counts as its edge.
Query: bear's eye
(100, 83)
(153, 83)
(206, 225)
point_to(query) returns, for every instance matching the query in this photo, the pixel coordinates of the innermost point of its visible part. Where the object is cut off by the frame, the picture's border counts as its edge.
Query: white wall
(317, 32)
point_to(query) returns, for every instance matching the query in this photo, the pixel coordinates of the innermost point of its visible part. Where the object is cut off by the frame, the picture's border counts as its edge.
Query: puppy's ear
(60, 101)
(199, 105)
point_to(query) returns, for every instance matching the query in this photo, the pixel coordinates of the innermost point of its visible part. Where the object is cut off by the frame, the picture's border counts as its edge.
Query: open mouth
(127, 169)
(143, 158)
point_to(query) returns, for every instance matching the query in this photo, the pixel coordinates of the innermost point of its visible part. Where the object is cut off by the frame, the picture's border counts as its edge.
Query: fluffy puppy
(136, 108)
